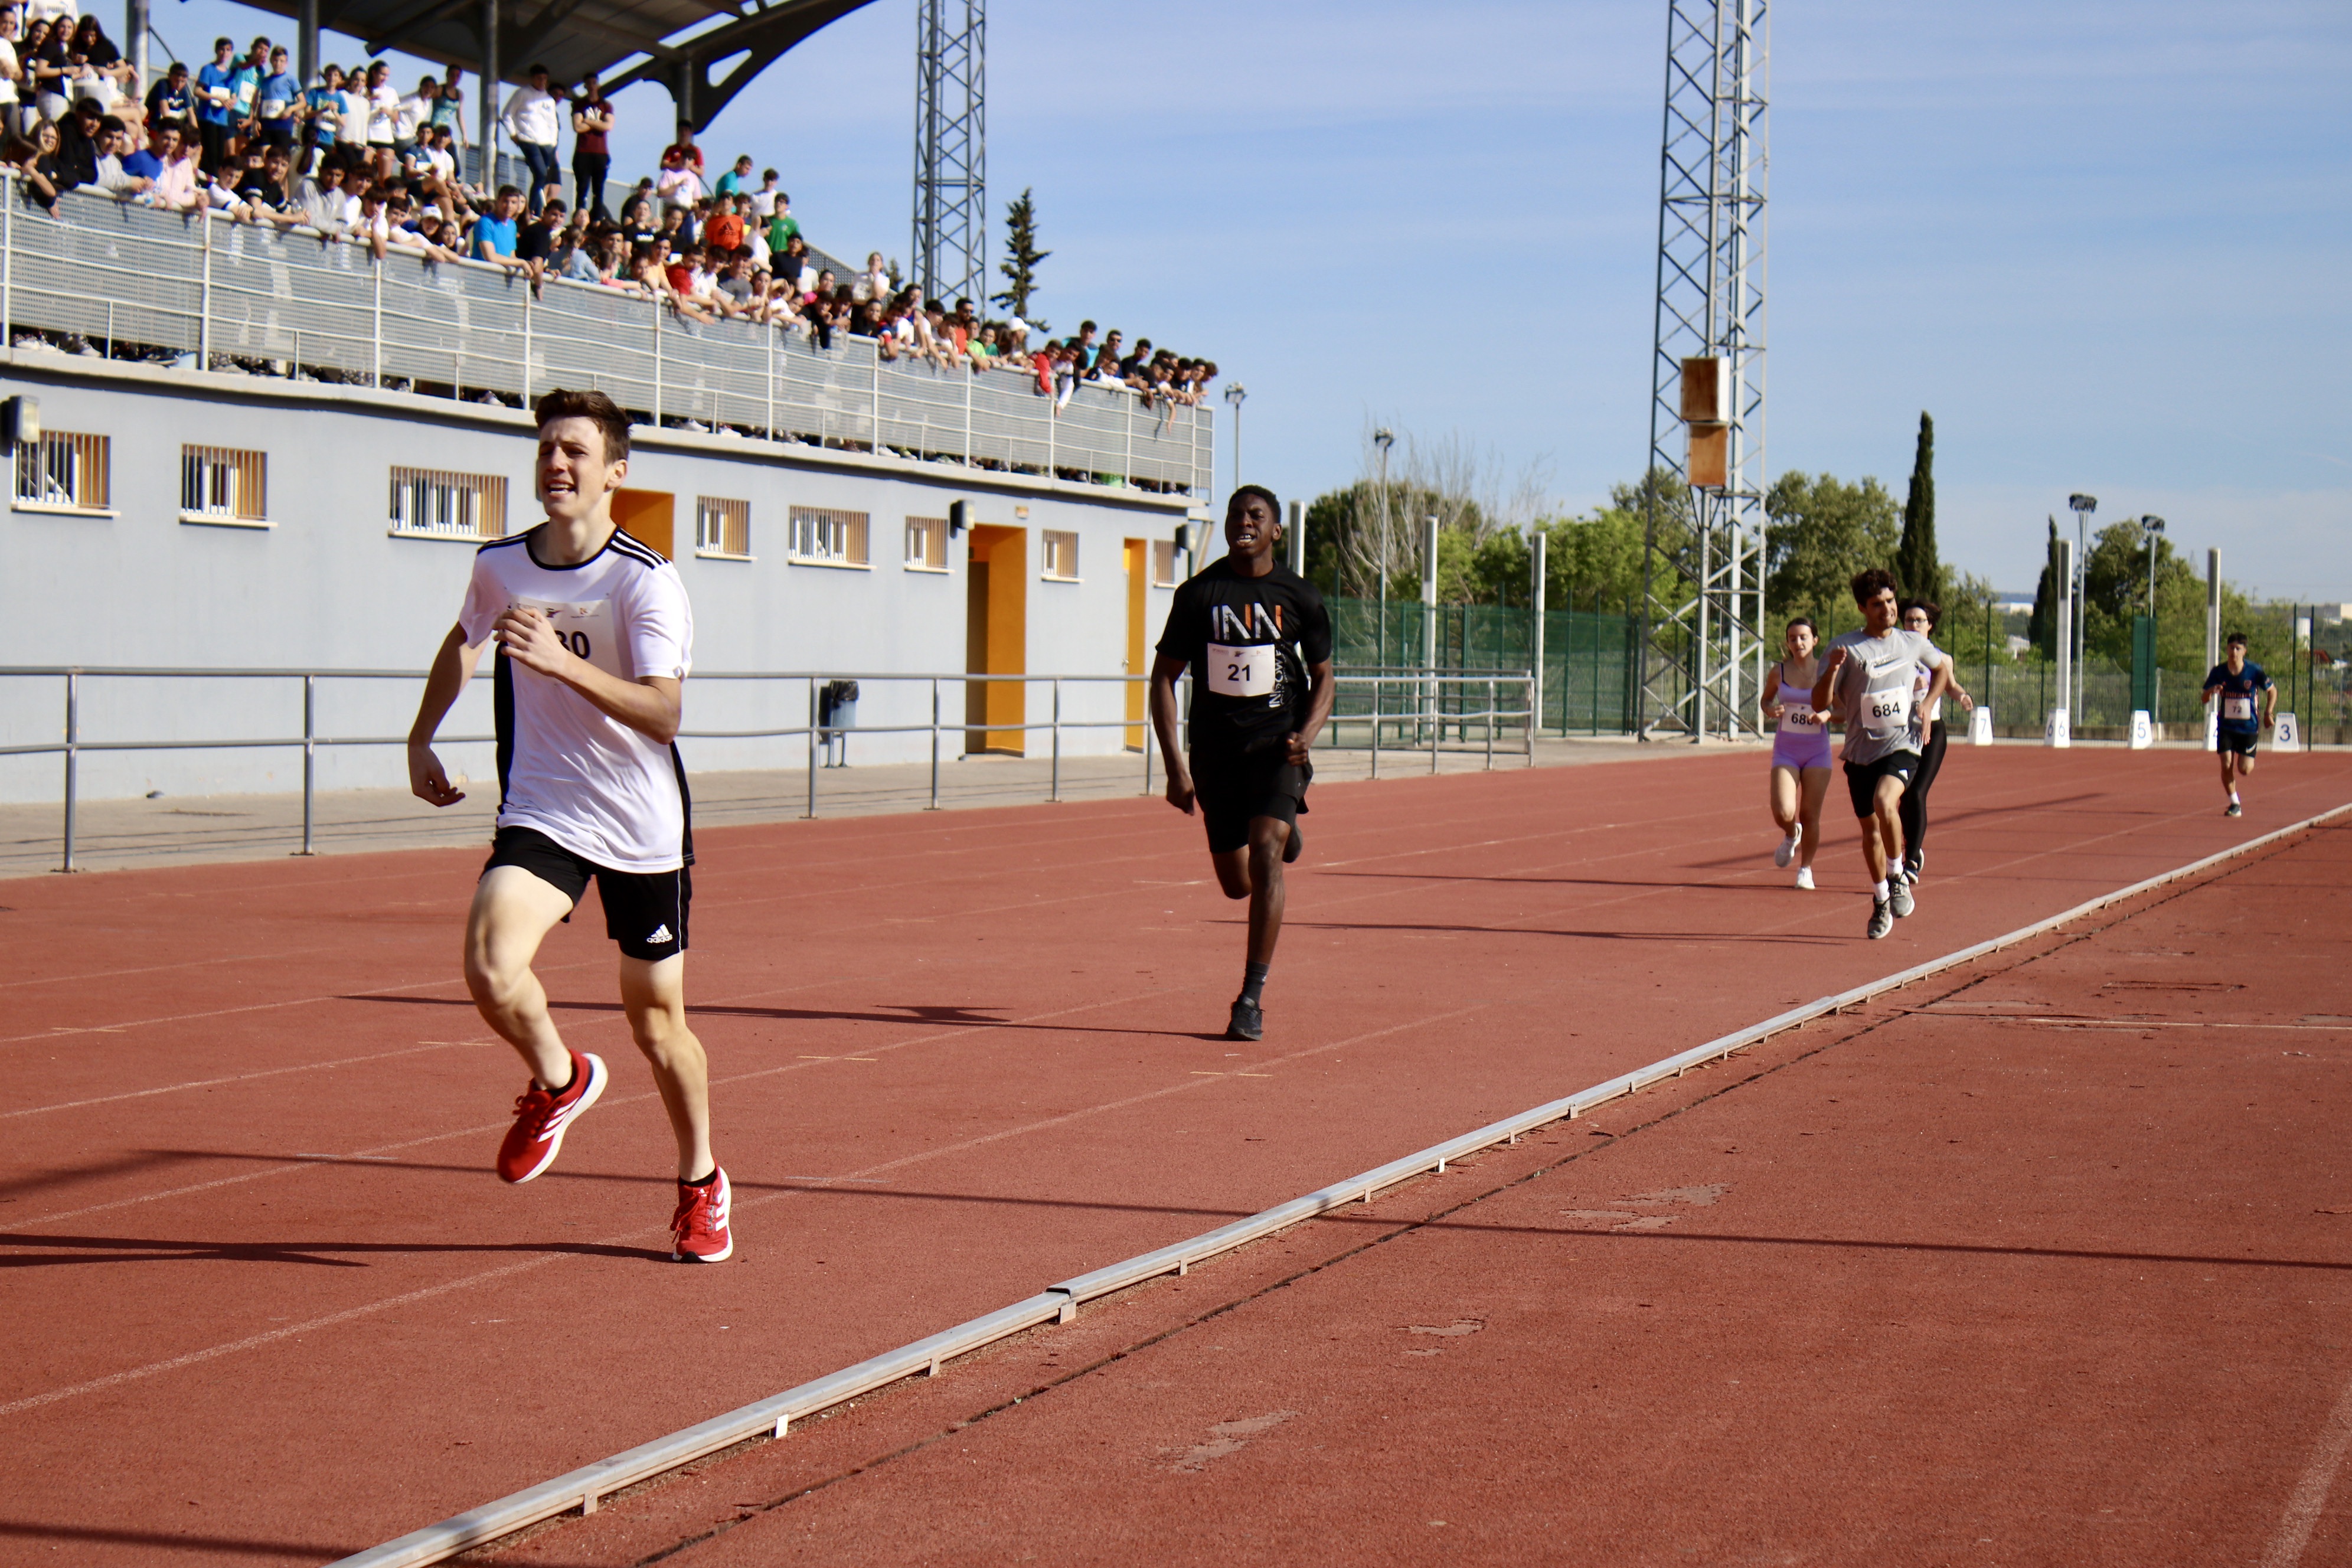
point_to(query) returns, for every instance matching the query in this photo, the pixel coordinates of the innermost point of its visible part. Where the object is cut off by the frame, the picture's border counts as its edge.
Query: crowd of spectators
(353, 160)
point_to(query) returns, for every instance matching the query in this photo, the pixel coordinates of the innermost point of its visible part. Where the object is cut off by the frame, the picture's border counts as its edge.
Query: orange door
(648, 517)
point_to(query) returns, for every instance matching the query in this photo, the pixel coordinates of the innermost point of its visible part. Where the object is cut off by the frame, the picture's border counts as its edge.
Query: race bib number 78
(1241, 671)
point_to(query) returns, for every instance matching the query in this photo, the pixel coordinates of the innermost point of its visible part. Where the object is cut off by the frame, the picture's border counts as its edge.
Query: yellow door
(1138, 581)
(996, 637)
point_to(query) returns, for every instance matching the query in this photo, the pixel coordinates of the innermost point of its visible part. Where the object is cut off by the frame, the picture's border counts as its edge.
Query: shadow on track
(74, 1249)
(951, 1018)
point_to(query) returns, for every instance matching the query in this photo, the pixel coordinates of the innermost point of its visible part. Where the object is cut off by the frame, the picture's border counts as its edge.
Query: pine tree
(1021, 258)
(1915, 564)
(2042, 627)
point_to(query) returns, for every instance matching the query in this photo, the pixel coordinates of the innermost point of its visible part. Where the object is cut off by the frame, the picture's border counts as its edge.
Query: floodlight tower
(951, 252)
(1702, 645)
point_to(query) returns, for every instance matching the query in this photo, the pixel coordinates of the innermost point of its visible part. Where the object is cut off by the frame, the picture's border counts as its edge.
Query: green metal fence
(1587, 666)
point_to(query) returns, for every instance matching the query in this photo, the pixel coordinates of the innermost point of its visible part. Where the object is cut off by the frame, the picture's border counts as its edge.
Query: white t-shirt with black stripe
(603, 791)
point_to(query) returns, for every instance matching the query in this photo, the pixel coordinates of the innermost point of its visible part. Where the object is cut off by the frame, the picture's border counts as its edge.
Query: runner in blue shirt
(2244, 690)
(214, 99)
(280, 103)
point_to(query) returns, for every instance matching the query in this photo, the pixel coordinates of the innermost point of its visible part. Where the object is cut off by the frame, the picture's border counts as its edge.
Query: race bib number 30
(1241, 671)
(585, 629)
(1886, 713)
(2237, 708)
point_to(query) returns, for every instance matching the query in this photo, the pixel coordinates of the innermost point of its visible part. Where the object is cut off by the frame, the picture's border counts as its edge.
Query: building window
(221, 484)
(429, 504)
(927, 544)
(64, 472)
(1163, 563)
(722, 527)
(823, 537)
(1061, 555)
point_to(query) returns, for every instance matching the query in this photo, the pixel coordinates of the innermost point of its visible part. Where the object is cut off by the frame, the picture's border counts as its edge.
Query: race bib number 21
(1241, 671)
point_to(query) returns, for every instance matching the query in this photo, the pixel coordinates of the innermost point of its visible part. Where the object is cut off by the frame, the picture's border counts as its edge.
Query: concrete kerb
(582, 1488)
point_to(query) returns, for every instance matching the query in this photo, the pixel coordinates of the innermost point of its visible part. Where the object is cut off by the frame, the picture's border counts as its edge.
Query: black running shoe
(2235, 810)
(1290, 851)
(1248, 1021)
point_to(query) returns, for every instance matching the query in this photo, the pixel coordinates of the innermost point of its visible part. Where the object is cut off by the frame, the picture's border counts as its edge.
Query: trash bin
(837, 714)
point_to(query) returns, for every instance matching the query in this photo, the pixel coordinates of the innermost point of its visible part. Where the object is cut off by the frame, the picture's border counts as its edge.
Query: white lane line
(638, 1236)
(240, 1078)
(2310, 1496)
(479, 1129)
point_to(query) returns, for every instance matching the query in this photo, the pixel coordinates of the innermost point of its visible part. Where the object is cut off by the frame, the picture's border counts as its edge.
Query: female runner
(1800, 750)
(1921, 616)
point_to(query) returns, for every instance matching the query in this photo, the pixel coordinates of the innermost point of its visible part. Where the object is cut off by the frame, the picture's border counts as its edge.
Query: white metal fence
(1392, 713)
(132, 281)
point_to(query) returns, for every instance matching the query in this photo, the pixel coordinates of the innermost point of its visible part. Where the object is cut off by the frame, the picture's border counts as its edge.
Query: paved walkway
(115, 835)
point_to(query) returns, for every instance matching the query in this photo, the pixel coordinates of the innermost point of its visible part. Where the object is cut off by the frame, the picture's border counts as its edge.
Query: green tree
(1916, 567)
(1594, 563)
(1021, 258)
(1823, 531)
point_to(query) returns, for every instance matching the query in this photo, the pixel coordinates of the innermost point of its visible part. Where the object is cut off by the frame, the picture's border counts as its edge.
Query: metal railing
(1432, 707)
(136, 281)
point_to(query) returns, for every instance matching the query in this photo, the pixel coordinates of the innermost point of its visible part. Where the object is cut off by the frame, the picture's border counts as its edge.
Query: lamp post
(1382, 438)
(2151, 526)
(1235, 393)
(2084, 506)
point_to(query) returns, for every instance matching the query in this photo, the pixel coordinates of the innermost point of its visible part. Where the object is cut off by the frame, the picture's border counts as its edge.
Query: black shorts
(644, 911)
(2239, 741)
(1230, 790)
(1861, 779)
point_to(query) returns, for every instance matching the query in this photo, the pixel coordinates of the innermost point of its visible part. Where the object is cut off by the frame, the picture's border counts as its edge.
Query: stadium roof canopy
(673, 42)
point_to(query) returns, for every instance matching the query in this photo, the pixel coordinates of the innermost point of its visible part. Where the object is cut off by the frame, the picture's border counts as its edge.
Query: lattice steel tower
(950, 253)
(1702, 654)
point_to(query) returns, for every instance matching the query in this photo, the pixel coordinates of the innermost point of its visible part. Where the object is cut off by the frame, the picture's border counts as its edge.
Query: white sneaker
(1787, 850)
(1804, 879)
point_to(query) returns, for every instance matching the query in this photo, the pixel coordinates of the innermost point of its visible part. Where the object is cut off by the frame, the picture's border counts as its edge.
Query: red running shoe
(699, 1226)
(540, 1117)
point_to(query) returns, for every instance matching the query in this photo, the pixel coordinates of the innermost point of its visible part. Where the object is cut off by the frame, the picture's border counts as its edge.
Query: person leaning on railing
(35, 163)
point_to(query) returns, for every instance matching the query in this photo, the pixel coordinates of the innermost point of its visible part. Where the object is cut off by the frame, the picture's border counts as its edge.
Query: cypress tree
(1915, 564)
(2042, 627)
(1021, 257)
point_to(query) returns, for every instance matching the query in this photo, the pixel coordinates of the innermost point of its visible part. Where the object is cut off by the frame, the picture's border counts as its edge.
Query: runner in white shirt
(594, 639)
(1870, 673)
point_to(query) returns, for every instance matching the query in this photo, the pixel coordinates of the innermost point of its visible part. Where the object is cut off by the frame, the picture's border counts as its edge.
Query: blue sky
(2104, 245)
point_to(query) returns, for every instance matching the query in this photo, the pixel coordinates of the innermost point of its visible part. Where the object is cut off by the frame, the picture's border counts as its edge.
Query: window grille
(1061, 555)
(1163, 563)
(722, 527)
(828, 537)
(221, 484)
(449, 506)
(65, 470)
(927, 542)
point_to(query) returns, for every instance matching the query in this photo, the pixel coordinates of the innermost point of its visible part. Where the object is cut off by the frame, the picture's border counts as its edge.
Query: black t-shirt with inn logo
(1249, 641)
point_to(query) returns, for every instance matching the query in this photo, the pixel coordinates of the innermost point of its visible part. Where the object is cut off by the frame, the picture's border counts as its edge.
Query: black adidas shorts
(1861, 779)
(644, 911)
(1232, 790)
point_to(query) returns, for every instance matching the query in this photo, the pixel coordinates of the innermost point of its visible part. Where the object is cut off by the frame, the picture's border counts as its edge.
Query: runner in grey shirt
(1870, 672)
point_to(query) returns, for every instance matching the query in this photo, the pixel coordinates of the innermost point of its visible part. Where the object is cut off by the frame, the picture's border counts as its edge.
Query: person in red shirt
(689, 153)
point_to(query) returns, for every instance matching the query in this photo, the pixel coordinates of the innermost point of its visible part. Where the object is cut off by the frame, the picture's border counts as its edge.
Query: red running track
(2044, 1260)
(250, 1115)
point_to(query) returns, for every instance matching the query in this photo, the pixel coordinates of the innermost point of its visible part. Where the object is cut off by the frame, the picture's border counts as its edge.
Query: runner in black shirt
(1258, 642)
